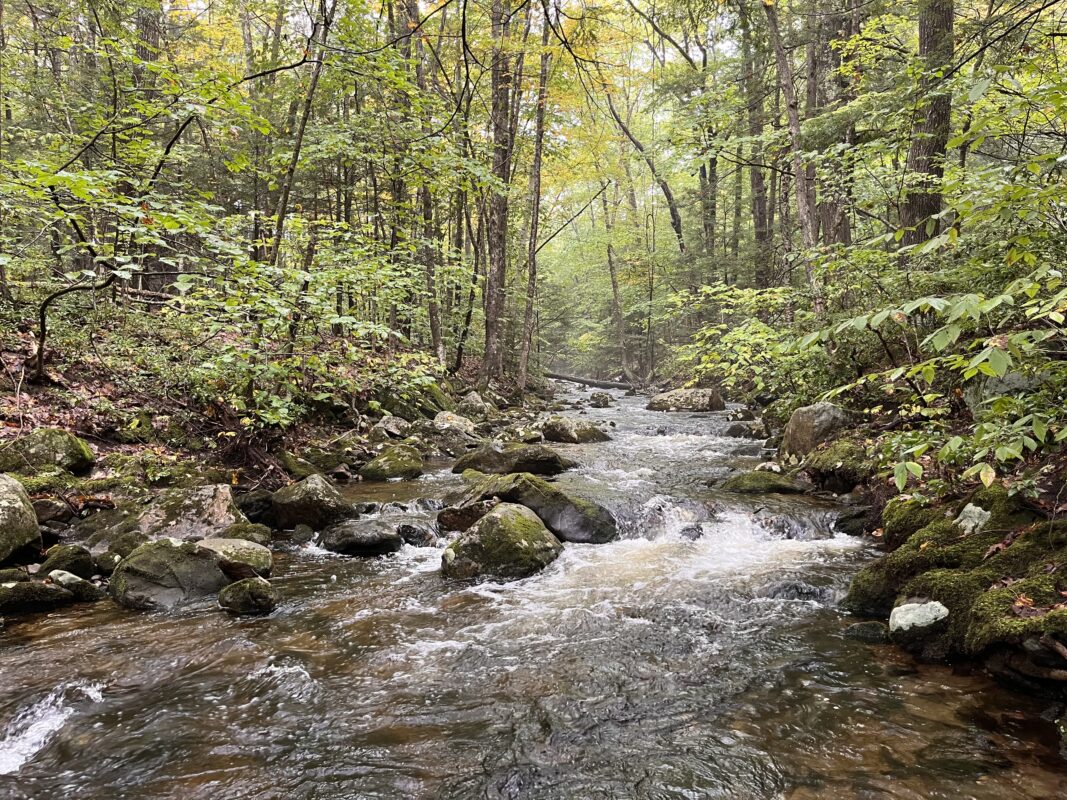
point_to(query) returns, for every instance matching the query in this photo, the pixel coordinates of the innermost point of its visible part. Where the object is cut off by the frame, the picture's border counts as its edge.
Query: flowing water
(699, 656)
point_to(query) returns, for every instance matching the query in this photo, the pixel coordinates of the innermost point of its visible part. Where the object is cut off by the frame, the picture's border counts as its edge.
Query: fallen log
(590, 381)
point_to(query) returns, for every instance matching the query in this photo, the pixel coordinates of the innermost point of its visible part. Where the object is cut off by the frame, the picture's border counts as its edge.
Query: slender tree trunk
(754, 106)
(616, 298)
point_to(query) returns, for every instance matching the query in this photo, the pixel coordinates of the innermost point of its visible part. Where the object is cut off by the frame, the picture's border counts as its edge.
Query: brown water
(656, 666)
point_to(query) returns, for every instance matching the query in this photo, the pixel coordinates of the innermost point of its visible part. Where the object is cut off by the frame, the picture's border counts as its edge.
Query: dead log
(590, 381)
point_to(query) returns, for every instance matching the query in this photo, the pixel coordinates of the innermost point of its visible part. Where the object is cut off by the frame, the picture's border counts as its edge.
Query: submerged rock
(572, 431)
(240, 558)
(871, 632)
(499, 459)
(509, 542)
(810, 426)
(166, 573)
(572, 519)
(762, 482)
(312, 501)
(18, 523)
(394, 461)
(71, 558)
(416, 534)
(249, 596)
(361, 538)
(47, 448)
(688, 400)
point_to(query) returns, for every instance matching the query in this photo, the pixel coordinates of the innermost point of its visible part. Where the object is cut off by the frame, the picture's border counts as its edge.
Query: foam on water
(34, 726)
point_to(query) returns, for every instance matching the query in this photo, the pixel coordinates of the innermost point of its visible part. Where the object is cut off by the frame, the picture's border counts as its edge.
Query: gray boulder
(47, 448)
(688, 400)
(190, 514)
(474, 407)
(510, 542)
(450, 422)
(18, 523)
(388, 428)
(572, 431)
(33, 596)
(498, 458)
(166, 573)
(395, 461)
(810, 426)
(248, 597)
(312, 501)
(240, 558)
(416, 534)
(601, 400)
(71, 558)
(361, 538)
(466, 513)
(920, 625)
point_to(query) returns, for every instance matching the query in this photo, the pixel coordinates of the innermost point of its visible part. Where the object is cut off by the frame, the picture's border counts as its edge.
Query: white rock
(916, 615)
(972, 519)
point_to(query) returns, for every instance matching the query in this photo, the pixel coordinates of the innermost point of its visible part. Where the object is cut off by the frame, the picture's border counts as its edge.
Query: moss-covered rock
(249, 531)
(810, 426)
(18, 523)
(54, 480)
(572, 431)
(509, 542)
(29, 596)
(47, 448)
(297, 467)
(840, 466)
(313, 502)
(501, 459)
(569, 517)
(191, 513)
(71, 558)
(901, 518)
(239, 558)
(84, 591)
(395, 461)
(166, 573)
(762, 482)
(248, 597)
(362, 538)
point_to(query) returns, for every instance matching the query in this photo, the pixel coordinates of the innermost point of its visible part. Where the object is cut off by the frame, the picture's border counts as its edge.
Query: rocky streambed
(695, 649)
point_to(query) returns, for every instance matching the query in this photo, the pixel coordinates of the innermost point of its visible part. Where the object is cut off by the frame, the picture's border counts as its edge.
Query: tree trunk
(754, 104)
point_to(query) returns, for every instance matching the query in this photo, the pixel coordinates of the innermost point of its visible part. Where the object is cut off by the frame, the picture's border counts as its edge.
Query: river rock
(13, 575)
(871, 632)
(390, 427)
(462, 516)
(32, 596)
(257, 506)
(249, 531)
(52, 510)
(498, 458)
(166, 573)
(70, 558)
(240, 558)
(84, 591)
(840, 467)
(395, 461)
(47, 448)
(916, 625)
(973, 519)
(249, 596)
(688, 400)
(570, 518)
(312, 501)
(416, 534)
(18, 523)
(762, 482)
(601, 400)
(810, 426)
(509, 542)
(190, 513)
(361, 538)
(474, 407)
(450, 422)
(572, 431)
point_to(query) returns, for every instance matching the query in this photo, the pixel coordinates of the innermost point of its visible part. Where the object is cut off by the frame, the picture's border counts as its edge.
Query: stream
(699, 656)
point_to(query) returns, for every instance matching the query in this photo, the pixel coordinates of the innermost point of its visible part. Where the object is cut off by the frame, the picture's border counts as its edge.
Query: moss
(299, 468)
(762, 482)
(47, 449)
(871, 593)
(58, 481)
(249, 531)
(509, 542)
(840, 466)
(902, 518)
(395, 461)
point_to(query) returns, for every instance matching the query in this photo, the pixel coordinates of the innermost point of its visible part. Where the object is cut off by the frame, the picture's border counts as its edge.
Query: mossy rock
(840, 466)
(312, 501)
(18, 522)
(249, 532)
(509, 542)
(29, 596)
(762, 482)
(166, 573)
(395, 461)
(297, 467)
(902, 518)
(47, 448)
(499, 459)
(59, 481)
(71, 558)
(248, 597)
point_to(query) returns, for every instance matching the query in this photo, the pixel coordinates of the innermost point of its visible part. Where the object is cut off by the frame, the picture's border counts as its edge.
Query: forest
(766, 295)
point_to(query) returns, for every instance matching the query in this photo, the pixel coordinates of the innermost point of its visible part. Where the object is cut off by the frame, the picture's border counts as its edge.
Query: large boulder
(450, 422)
(18, 523)
(47, 448)
(240, 558)
(572, 431)
(466, 513)
(190, 513)
(32, 596)
(570, 518)
(509, 542)
(688, 400)
(361, 538)
(166, 573)
(248, 596)
(498, 458)
(395, 461)
(71, 558)
(810, 426)
(312, 501)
